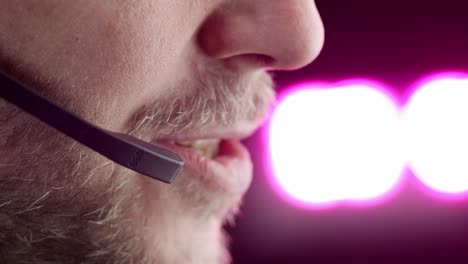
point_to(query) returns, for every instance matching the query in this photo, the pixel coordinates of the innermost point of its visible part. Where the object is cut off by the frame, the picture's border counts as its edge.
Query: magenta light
(436, 124)
(337, 143)
(349, 143)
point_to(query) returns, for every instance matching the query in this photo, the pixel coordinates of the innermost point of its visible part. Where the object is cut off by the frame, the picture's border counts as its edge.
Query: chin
(191, 243)
(184, 221)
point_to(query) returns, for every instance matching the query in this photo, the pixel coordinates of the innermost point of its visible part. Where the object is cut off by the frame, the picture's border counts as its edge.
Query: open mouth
(206, 147)
(223, 164)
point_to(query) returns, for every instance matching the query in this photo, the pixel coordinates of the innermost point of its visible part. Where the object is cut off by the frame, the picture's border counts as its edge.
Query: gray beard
(63, 203)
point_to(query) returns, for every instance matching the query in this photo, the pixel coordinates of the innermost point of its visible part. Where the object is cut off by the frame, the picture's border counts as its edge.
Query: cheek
(106, 58)
(137, 53)
(118, 57)
(128, 52)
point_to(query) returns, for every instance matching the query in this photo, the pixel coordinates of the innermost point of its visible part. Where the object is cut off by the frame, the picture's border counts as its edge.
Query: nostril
(250, 61)
(261, 60)
(279, 36)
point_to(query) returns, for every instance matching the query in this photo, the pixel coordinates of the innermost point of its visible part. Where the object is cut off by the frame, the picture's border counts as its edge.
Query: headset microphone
(128, 151)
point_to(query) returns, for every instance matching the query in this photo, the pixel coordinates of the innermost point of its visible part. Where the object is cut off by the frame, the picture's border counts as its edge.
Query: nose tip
(289, 33)
(299, 43)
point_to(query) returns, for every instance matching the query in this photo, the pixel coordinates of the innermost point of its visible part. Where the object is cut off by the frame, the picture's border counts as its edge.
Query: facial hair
(63, 203)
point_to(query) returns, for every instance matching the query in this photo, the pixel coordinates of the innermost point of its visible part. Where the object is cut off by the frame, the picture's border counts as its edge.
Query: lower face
(132, 69)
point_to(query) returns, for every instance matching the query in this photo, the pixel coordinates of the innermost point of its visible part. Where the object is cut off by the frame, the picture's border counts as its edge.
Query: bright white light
(436, 121)
(339, 144)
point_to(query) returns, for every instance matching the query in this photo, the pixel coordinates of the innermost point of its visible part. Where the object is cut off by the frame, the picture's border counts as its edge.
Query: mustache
(212, 100)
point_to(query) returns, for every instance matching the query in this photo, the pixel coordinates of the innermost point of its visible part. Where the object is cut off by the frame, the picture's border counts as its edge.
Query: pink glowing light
(436, 125)
(347, 143)
(330, 144)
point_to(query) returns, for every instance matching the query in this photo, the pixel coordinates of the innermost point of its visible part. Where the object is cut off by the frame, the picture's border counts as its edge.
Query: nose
(285, 34)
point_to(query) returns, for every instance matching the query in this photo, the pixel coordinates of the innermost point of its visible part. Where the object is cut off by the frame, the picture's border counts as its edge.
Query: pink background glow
(372, 137)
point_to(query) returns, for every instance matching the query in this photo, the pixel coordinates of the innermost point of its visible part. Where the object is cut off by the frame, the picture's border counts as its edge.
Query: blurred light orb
(436, 129)
(333, 144)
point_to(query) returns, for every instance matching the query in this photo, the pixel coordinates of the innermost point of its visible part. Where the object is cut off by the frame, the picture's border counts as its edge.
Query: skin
(151, 68)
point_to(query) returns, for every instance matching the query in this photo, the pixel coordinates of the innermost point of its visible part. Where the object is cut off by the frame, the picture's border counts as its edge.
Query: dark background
(395, 42)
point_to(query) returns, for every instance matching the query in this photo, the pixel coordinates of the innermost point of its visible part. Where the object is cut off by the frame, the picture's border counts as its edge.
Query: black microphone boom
(128, 151)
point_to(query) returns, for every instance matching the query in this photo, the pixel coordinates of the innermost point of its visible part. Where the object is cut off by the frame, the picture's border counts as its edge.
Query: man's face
(189, 75)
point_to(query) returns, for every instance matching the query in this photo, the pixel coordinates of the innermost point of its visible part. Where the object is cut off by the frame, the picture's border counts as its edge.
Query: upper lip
(241, 129)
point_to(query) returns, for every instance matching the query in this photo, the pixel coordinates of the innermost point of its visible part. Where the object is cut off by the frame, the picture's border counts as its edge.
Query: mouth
(222, 164)
(206, 147)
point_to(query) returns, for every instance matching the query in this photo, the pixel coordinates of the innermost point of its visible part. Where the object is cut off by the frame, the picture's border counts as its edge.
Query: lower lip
(229, 172)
